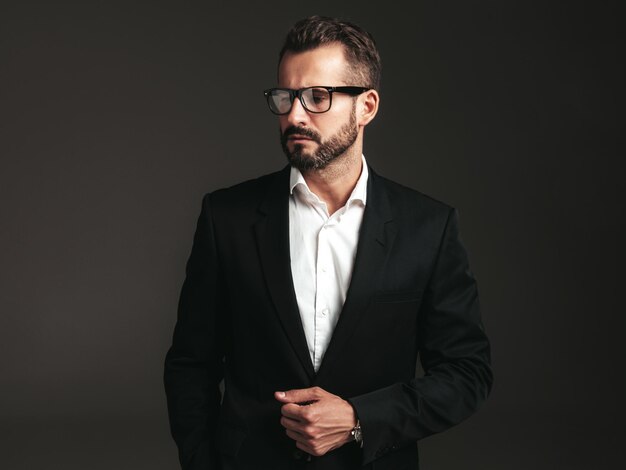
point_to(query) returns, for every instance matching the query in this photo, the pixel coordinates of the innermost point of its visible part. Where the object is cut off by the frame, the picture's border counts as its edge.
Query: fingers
(316, 447)
(298, 432)
(291, 411)
(310, 446)
(305, 430)
(301, 396)
(308, 449)
(290, 424)
(297, 412)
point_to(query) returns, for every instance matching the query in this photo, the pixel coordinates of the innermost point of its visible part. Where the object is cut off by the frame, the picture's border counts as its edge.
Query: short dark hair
(360, 47)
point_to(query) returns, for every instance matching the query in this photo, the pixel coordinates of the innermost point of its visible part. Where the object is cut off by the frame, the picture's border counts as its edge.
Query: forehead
(324, 65)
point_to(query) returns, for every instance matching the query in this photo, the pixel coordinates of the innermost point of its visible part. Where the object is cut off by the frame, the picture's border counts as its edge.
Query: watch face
(357, 434)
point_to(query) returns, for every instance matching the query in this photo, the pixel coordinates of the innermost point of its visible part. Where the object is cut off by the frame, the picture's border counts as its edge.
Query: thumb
(302, 396)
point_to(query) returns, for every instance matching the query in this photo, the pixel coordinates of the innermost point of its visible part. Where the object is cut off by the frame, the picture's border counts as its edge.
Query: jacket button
(297, 454)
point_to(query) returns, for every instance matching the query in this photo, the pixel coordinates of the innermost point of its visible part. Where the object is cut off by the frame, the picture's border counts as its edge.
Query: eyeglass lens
(316, 100)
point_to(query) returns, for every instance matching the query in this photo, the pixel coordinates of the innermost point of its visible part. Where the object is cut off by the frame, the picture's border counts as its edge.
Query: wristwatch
(357, 434)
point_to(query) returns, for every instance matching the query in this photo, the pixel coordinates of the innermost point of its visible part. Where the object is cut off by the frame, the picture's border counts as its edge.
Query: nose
(297, 115)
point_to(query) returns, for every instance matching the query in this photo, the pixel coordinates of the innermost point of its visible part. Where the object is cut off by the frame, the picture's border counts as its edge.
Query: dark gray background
(116, 117)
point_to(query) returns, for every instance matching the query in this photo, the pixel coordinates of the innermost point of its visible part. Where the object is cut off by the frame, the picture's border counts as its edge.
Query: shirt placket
(324, 289)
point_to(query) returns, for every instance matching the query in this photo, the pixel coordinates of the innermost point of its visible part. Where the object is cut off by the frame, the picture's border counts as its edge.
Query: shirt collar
(359, 193)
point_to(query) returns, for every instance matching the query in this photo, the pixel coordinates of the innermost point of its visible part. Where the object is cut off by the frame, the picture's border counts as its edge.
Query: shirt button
(325, 312)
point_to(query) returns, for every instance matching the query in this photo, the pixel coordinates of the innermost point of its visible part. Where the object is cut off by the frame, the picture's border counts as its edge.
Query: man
(311, 292)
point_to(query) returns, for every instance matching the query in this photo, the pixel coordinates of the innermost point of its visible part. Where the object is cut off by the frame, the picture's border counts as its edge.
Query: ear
(367, 107)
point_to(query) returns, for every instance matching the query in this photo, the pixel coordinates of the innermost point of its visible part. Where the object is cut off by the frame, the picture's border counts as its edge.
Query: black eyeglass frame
(293, 94)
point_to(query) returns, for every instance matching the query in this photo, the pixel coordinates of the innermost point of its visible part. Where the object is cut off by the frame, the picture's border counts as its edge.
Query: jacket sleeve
(455, 356)
(193, 364)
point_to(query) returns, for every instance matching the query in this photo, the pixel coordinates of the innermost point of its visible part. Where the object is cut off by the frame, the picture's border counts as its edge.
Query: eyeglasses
(315, 99)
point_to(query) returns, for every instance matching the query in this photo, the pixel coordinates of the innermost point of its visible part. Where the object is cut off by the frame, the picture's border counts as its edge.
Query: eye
(282, 98)
(320, 95)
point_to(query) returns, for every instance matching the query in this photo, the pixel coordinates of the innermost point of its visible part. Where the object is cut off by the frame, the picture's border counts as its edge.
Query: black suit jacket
(411, 294)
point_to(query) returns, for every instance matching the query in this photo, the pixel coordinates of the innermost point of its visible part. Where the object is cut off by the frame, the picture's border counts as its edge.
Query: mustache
(292, 130)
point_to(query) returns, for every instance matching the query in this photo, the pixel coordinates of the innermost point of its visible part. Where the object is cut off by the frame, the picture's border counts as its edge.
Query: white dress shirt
(322, 248)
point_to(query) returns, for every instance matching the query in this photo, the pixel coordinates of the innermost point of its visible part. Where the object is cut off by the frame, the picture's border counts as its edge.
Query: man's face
(309, 140)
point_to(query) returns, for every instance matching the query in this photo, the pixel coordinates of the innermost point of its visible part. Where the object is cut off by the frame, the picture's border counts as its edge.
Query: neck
(334, 183)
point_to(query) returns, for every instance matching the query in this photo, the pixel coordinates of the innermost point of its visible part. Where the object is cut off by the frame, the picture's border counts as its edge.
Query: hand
(317, 420)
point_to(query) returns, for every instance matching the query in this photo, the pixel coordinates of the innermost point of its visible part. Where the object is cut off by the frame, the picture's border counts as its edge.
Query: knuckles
(307, 415)
(310, 432)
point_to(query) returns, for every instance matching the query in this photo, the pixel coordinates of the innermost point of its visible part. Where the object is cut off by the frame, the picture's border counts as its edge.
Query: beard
(326, 152)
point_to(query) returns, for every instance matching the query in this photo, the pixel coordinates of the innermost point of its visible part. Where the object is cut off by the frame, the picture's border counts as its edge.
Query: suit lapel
(272, 234)
(376, 238)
